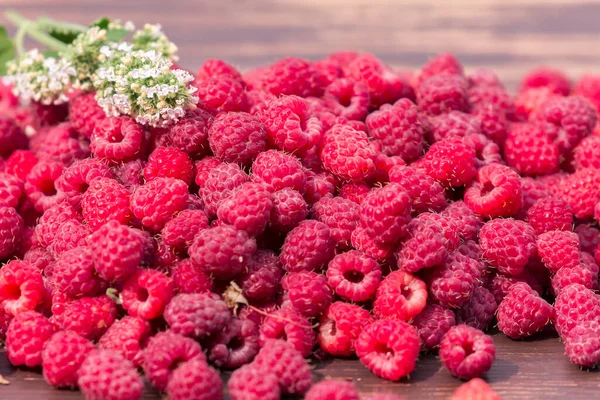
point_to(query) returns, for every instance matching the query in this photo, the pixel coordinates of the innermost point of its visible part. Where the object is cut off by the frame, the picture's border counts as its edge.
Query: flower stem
(31, 28)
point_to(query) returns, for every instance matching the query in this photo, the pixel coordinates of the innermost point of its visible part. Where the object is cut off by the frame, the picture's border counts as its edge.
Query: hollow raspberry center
(176, 363)
(47, 188)
(468, 348)
(142, 294)
(383, 349)
(116, 136)
(487, 188)
(12, 292)
(354, 276)
(236, 343)
(345, 99)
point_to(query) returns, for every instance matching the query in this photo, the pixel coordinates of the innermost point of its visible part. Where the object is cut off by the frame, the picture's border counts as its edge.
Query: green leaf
(116, 35)
(7, 50)
(101, 23)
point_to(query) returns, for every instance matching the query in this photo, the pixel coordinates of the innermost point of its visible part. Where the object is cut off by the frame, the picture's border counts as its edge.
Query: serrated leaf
(116, 35)
(101, 23)
(64, 35)
(7, 50)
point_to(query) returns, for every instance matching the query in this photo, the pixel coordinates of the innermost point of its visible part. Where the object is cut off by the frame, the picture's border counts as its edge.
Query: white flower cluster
(153, 38)
(84, 55)
(142, 84)
(42, 79)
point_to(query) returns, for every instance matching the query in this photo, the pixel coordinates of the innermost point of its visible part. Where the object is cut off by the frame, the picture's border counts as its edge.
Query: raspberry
(579, 274)
(451, 162)
(588, 262)
(442, 93)
(364, 243)
(345, 152)
(544, 77)
(76, 179)
(529, 151)
(484, 77)
(63, 144)
(11, 230)
(288, 324)
(425, 193)
(21, 287)
(248, 383)
(580, 190)
(155, 202)
(397, 130)
(475, 389)
(340, 326)
(340, 215)
(74, 274)
(248, 208)
(235, 345)
(479, 311)
(146, 293)
(39, 257)
(194, 379)
(196, 315)
(495, 193)
(488, 96)
(400, 296)
(219, 185)
(169, 162)
(354, 191)
(222, 94)
(388, 348)
(528, 102)
(319, 186)
(550, 214)
(432, 324)
(180, 231)
(440, 64)
(575, 305)
(308, 247)
(105, 200)
(25, 338)
(11, 137)
(277, 170)
(332, 390)
(523, 312)
(217, 68)
(292, 76)
(507, 244)
(290, 125)
(117, 139)
(68, 236)
(453, 283)
(106, 374)
(126, 337)
(467, 221)
(190, 133)
(89, 317)
(62, 356)
(558, 249)
(130, 174)
(589, 237)
(237, 137)
(532, 191)
(467, 352)
(289, 209)
(354, 276)
(582, 345)
(424, 249)
(20, 163)
(347, 98)
(383, 166)
(587, 153)
(40, 185)
(454, 123)
(164, 353)
(308, 292)
(280, 359)
(261, 281)
(85, 113)
(588, 86)
(189, 278)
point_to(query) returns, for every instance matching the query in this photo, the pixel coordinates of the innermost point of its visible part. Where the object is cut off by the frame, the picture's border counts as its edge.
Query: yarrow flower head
(42, 79)
(153, 38)
(142, 84)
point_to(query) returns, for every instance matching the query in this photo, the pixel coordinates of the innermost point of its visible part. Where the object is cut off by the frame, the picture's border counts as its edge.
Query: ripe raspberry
(354, 191)
(533, 190)
(397, 129)
(426, 194)
(530, 151)
(68, 236)
(20, 163)
(308, 247)
(467, 352)
(454, 123)
(11, 230)
(25, 338)
(165, 352)
(550, 214)
(523, 312)
(155, 202)
(364, 243)
(292, 76)
(222, 94)
(190, 133)
(105, 200)
(280, 359)
(528, 102)
(383, 165)
(432, 324)
(545, 77)
(180, 231)
(21, 287)
(340, 326)
(288, 324)
(575, 305)
(196, 315)
(130, 174)
(76, 179)
(453, 283)
(89, 317)
(579, 274)
(558, 249)
(347, 98)
(440, 64)
(64, 144)
(385, 213)
(248, 208)
(169, 162)
(203, 167)
(117, 139)
(127, 336)
(490, 96)
(451, 162)
(467, 221)
(580, 190)
(346, 153)
(85, 113)
(307, 292)
(146, 293)
(400, 296)
(475, 389)
(105, 374)
(39, 257)
(507, 244)
(424, 249)
(582, 345)
(217, 68)
(587, 153)
(62, 356)
(40, 185)
(588, 86)
(189, 278)
(219, 185)
(319, 186)
(74, 275)
(479, 311)
(261, 281)
(194, 379)
(248, 383)
(495, 193)
(237, 137)
(354, 276)
(340, 215)
(235, 345)
(11, 137)
(332, 390)
(442, 93)
(589, 237)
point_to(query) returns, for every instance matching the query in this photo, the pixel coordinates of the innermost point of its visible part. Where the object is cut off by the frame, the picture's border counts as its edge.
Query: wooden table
(510, 36)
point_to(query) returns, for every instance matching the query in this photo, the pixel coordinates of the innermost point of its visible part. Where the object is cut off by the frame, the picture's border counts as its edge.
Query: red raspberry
(575, 305)
(20, 163)
(169, 162)
(355, 191)
(288, 324)
(340, 326)
(117, 139)
(400, 296)
(424, 249)
(442, 93)
(235, 345)
(484, 77)
(197, 315)
(354, 276)
(222, 94)
(127, 336)
(523, 312)
(385, 86)
(40, 185)
(529, 151)
(277, 170)
(146, 293)
(74, 275)
(467, 221)
(25, 338)
(106, 374)
(62, 356)
(587, 153)
(588, 86)
(319, 186)
(237, 137)
(190, 133)
(180, 231)
(588, 261)
(453, 283)
(289, 209)
(532, 191)
(580, 190)
(189, 278)
(451, 162)
(85, 113)
(475, 389)
(467, 352)
(528, 102)
(165, 352)
(440, 64)
(340, 215)
(217, 68)
(219, 185)
(425, 193)
(130, 174)
(432, 324)
(486, 151)
(579, 274)
(89, 317)
(308, 247)
(347, 98)
(105, 200)
(346, 153)
(582, 345)
(52, 219)
(388, 348)
(76, 179)
(280, 359)
(589, 237)
(203, 167)
(248, 209)
(494, 96)
(11, 231)
(397, 129)
(507, 244)
(290, 125)
(364, 243)
(155, 202)
(383, 166)
(68, 236)
(307, 292)
(479, 311)
(261, 281)
(495, 193)
(454, 123)
(549, 214)
(545, 77)
(332, 390)
(64, 144)
(39, 257)
(558, 249)
(194, 379)
(21, 287)
(292, 76)
(248, 383)
(11, 137)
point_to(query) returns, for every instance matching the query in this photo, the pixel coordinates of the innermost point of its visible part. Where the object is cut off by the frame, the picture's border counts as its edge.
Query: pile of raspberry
(336, 208)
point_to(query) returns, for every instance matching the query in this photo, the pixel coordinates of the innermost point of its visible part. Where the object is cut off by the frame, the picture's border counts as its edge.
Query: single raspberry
(332, 390)
(426, 194)
(558, 249)
(479, 311)
(347, 98)
(397, 130)
(222, 94)
(383, 166)
(248, 383)
(169, 162)
(453, 283)
(20, 163)
(289, 209)
(340, 326)
(292, 76)
(105, 200)
(25, 338)
(319, 186)
(574, 305)
(588, 86)
(354, 191)
(11, 137)
(235, 345)
(545, 77)
(203, 167)
(196, 315)
(180, 231)
(146, 293)
(89, 317)
(194, 379)
(21, 287)
(85, 113)
(165, 352)
(340, 215)
(364, 243)
(530, 151)
(495, 193)
(475, 389)
(494, 96)
(454, 123)
(52, 219)
(248, 209)
(346, 153)
(550, 214)
(354, 276)
(589, 237)
(127, 336)
(442, 93)
(190, 133)
(64, 144)
(217, 68)
(39, 257)
(400, 296)
(528, 102)
(62, 356)
(486, 151)
(388, 348)
(308, 292)
(76, 179)
(523, 312)
(130, 174)
(117, 139)
(277, 170)
(580, 191)
(424, 249)
(467, 221)
(237, 137)
(106, 374)
(582, 345)
(74, 274)
(40, 185)
(432, 324)
(288, 324)
(507, 244)
(588, 262)
(189, 278)
(467, 352)
(260, 283)
(11, 231)
(219, 185)
(532, 190)
(451, 162)
(587, 153)
(440, 64)
(155, 202)
(579, 274)
(499, 285)
(280, 359)
(11, 190)
(308, 247)
(68, 236)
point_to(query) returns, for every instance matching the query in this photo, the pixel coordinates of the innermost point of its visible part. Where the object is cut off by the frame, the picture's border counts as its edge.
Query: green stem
(19, 39)
(32, 30)
(49, 22)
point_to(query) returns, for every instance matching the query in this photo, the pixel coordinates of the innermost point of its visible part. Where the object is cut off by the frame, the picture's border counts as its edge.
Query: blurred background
(511, 36)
